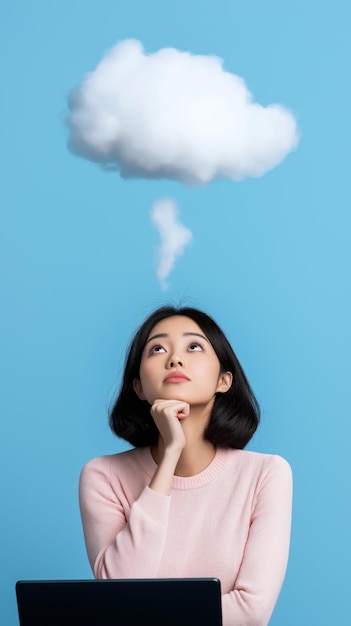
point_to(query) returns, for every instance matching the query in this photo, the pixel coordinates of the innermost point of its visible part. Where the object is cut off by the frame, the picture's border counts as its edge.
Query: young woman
(188, 501)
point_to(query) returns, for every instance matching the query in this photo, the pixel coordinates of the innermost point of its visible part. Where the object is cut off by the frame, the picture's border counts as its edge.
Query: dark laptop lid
(128, 602)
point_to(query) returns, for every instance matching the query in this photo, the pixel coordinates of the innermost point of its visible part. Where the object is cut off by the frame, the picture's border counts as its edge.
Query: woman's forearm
(162, 479)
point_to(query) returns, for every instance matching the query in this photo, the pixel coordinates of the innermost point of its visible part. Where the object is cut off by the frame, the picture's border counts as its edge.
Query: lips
(176, 377)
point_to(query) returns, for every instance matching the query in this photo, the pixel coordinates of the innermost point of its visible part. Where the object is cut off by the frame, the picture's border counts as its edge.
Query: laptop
(127, 602)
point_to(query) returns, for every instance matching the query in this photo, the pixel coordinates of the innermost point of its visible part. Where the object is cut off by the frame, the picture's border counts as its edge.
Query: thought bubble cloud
(174, 236)
(175, 115)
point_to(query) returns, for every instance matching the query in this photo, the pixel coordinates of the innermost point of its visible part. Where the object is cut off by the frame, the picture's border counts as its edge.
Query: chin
(173, 395)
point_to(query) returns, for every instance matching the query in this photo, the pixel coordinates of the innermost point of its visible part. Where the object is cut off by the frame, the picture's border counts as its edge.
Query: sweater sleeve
(264, 563)
(118, 547)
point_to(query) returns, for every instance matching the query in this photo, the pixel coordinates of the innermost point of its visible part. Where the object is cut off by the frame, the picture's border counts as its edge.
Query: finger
(183, 411)
(163, 404)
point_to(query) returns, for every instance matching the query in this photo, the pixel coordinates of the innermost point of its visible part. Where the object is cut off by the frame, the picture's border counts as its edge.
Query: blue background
(270, 260)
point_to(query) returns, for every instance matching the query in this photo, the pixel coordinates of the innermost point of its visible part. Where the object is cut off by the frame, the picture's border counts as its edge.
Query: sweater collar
(207, 475)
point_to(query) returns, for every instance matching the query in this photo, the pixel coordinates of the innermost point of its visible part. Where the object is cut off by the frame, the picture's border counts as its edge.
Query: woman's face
(179, 363)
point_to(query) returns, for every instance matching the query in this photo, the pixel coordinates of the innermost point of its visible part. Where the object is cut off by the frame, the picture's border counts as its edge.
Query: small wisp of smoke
(174, 237)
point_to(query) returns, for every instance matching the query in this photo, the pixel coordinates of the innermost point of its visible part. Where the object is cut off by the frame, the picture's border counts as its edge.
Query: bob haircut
(235, 414)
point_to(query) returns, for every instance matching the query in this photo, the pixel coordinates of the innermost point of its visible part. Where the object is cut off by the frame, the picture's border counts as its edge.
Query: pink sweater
(231, 521)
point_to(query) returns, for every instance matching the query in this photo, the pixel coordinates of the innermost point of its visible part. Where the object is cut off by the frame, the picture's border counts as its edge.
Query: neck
(194, 459)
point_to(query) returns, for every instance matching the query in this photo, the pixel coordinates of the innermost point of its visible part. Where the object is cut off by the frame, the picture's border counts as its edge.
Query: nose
(175, 361)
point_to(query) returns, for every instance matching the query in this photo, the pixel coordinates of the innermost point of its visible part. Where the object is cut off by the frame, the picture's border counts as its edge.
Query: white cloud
(174, 236)
(175, 115)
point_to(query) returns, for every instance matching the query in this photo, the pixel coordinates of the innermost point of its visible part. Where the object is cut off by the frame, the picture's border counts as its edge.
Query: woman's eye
(157, 350)
(195, 347)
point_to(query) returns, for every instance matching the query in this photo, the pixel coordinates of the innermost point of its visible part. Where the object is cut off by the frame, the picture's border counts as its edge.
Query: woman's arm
(118, 547)
(262, 571)
(167, 415)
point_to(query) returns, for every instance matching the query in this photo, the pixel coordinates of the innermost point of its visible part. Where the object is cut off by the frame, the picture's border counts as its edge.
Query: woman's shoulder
(107, 464)
(258, 461)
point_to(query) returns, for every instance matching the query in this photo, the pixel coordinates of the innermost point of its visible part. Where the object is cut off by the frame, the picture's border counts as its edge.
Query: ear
(224, 382)
(138, 389)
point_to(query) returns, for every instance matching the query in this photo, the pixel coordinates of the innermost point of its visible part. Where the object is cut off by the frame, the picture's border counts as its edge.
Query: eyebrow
(184, 335)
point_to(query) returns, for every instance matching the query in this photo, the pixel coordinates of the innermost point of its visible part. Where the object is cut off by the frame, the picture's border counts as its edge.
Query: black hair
(235, 414)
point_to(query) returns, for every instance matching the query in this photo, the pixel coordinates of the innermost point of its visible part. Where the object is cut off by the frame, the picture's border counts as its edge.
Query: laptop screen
(128, 602)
